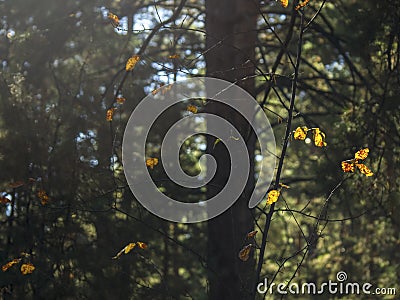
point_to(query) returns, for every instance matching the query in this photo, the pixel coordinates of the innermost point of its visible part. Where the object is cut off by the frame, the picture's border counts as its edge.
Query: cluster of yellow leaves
(110, 114)
(191, 108)
(163, 88)
(244, 254)
(349, 165)
(128, 248)
(319, 137)
(151, 162)
(302, 4)
(131, 62)
(284, 3)
(25, 269)
(44, 198)
(113, 19)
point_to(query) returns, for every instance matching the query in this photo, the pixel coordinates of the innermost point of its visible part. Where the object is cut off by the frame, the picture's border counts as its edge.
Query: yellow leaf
(252, 234)
(364, 169)
(302, 4)
(131, 62)
(244, 254)
(151, 162)
(191, 108)
(129, 247)
(113, 19)
(361, 154)
(174, 56)
(110, 114)
(273, 196)
(284, 186)
(319, 138)
(120, 100)
(27, 268)
(347, 166)
(284, 3)
(300, 133)
(142, 245)
(10, 264)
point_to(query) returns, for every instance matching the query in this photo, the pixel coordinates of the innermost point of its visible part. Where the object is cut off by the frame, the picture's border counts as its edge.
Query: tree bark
(231, 39)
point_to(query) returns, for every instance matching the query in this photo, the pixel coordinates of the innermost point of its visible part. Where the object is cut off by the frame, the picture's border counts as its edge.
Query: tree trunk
(231, 39)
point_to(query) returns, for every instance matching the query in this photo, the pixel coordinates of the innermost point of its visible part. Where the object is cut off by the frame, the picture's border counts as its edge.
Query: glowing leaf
(110, 114)
(284, 3)
(120, 100)
(364, 169)
(273, 196)
(129, 247)
(347, 166)
(131, 62)
(142, 245)
(113, 19)
(361, 154)
(44, 199)
(302, 4)
(300, 133)
(27, 268)
(319, 138)
(244, 254)
(151, 162)
(191, 108)
(10, 264)
(252, 234)
(174, 56)
(4, 200)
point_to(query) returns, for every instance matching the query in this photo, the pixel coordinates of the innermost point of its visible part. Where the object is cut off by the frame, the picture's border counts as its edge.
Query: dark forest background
(65, 205)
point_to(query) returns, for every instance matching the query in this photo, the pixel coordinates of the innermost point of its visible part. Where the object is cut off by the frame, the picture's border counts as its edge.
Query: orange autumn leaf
(113, 19)
(10, 264)
(173, 56)
(192, 109)
(284, 3)
(27, 268)
(244, 254)
(110, 114)
(361, 154)
(319, 138)
(44, 198)
(252, 234)
(347, 166)
(364, 170)
(131, 62)
(151, 162)
(300, 133)
(142, 245)
(273, 196)
(302, 4)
